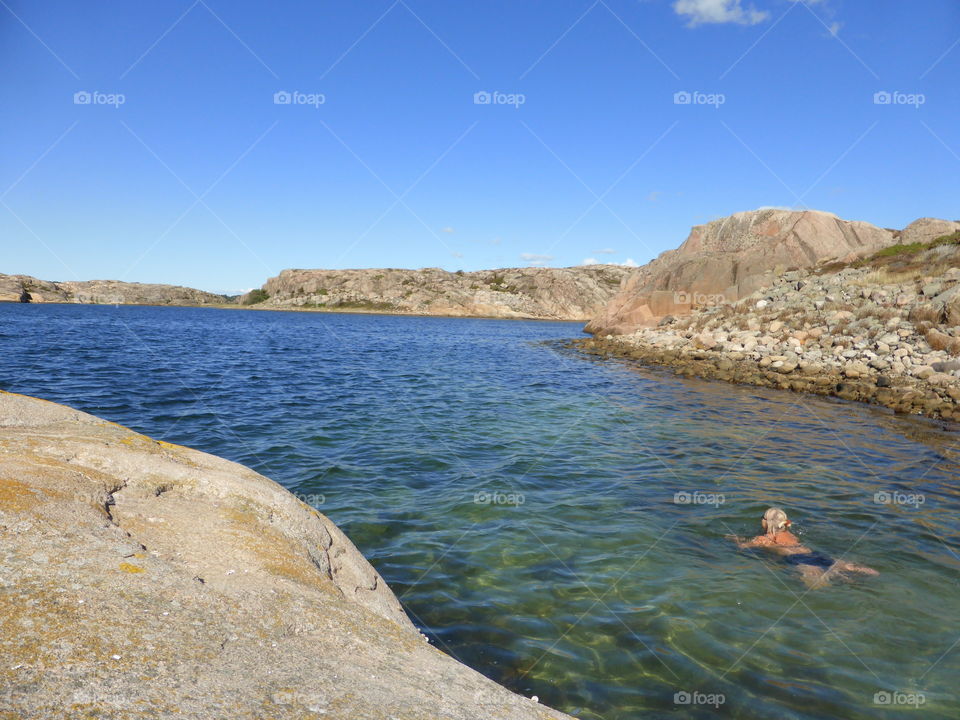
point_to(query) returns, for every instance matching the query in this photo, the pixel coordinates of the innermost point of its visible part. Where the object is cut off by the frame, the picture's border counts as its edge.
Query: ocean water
(557, 521)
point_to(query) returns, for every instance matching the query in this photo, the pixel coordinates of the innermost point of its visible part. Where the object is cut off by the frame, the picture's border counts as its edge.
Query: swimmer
(816, 568)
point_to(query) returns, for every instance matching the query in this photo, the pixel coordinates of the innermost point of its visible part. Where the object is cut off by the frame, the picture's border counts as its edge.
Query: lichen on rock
(141, 579)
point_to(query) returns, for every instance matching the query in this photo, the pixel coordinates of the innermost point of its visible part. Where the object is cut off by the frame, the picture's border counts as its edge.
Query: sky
(213, 143)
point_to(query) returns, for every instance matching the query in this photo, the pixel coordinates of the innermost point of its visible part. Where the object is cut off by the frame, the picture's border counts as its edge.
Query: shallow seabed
(521, 499)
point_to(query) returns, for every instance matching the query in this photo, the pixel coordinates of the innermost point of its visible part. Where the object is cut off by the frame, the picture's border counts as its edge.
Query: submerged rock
(144, 579)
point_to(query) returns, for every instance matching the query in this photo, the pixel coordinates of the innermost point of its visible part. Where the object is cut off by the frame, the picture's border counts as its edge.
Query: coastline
(327, 311)
(901, 394)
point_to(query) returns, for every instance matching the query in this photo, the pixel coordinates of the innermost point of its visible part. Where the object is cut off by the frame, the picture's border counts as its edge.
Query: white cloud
(447, 230)
(457, 254)
(605, 251)
(629, 262)
(535, 259)
(700, 12)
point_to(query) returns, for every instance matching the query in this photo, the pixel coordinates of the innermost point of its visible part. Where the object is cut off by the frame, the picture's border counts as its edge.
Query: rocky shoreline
(144, 579)
(882, 333)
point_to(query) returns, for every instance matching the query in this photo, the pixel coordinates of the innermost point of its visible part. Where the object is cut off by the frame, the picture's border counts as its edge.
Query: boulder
(941, 341)
(927, 230)
(144, 579)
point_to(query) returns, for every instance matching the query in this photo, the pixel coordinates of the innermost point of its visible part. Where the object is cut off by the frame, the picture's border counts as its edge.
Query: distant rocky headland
(27, 289)
(802, 301)
(144, 579)
(576, 293)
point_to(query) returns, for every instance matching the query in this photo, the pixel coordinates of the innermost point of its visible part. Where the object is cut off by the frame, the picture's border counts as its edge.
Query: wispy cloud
(605, 251)
(629, 262)
(536, 259)
(446, 230)
(702, 12)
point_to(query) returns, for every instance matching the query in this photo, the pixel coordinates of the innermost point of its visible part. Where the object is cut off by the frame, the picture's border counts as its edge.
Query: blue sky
(177, 162)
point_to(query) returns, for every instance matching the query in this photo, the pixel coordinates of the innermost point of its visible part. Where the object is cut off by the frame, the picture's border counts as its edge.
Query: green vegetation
(499, 283)
(914, 248)
(256, 296)
(897, 250)
(459, 273)
(900, 259)
(323, 291)
(364, 305)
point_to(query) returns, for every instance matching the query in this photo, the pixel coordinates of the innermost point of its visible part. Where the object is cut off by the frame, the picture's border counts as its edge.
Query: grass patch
(900, 261)
(255, 297)
(364, 305)
(898, 250)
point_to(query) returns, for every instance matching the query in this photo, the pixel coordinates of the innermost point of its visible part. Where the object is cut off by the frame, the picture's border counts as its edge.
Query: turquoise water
(520, 499)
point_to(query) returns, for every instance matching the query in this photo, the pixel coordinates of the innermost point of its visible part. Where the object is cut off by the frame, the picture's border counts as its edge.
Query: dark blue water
(520, 499)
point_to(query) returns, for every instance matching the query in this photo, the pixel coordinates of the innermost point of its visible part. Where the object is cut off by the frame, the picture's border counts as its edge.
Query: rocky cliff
(576, 293)
(144, 579)
(24, 288)
(883, 329)
(731, 258)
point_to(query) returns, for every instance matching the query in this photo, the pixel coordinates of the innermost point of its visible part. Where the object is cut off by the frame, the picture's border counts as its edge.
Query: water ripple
(520, 498)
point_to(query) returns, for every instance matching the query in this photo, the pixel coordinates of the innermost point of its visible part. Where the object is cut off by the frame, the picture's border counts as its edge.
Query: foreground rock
(576, 293)
(27, 289)
(729, 259)
(143, 579)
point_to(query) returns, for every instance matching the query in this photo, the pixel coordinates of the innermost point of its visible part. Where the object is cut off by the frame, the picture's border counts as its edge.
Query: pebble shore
(856, 334)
